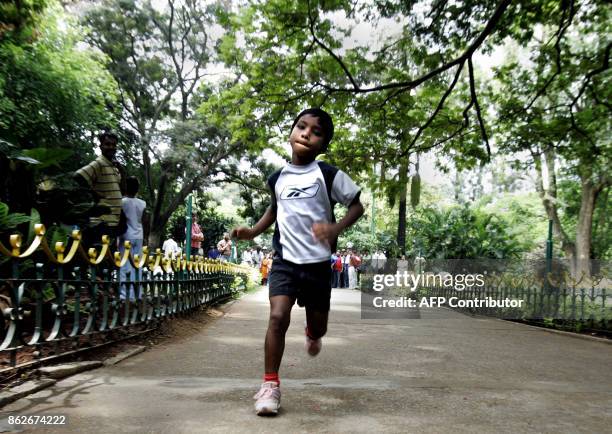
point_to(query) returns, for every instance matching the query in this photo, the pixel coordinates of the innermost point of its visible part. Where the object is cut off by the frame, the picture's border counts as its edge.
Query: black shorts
(310, 284)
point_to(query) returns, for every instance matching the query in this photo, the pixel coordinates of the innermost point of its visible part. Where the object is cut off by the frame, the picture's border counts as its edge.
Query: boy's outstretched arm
(330, 231)
(244, 233)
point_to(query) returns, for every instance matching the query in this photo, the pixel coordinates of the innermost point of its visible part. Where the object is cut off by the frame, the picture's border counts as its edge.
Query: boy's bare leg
(316, 320)
(280, 316)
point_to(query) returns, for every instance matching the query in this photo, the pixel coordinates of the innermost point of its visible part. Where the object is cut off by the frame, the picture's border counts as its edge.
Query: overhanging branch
(460, 60)
(436, 111)
(483, 131)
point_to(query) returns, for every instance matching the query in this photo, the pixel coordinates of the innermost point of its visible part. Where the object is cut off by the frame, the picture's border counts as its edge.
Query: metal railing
(563, 304)
(66, 299)
(557, 300)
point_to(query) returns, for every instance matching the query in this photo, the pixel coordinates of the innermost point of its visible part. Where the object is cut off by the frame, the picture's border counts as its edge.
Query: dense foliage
(400, 78)
(461, 233)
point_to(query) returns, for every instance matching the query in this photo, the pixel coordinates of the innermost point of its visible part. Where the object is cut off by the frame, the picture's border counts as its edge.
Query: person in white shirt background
(170, 247)
(346, 261)
(354, 262)
(382, 261)
(257, 257)
(247, 257)
(375, 257)
(402, 264)
(134, 210)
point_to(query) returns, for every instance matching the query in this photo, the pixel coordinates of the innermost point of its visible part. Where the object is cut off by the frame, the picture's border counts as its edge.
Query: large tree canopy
(555, 107)
(160, 56)
(302, 45)
(418, 87)
(400, 78)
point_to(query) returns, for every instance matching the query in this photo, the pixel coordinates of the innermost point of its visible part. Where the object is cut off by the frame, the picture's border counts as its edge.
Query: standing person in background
(354, 263)
(246, 257)
(213, 253)
(332, 261)
(225, 247)
(197, 236)
(346, 260)
(170, 247)
(360, 267)
(375, 261)
(351, 271)
(266, 264)
(338, 270)
(382, 261)
(137, 220)
(341, 278)
(257, 257)
(402, 265)
(104, 178)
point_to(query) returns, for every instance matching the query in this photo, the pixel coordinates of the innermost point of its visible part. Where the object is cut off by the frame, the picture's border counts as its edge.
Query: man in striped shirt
(103, 177)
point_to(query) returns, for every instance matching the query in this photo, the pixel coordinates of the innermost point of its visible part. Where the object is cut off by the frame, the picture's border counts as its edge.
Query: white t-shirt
(382, 260)
(133, 209)
(300, 197)
(169, 247)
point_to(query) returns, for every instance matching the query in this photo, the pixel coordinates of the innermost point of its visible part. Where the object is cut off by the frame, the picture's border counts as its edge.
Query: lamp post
(549, 254)
(377, 171)
(188, 228)
(373, 220)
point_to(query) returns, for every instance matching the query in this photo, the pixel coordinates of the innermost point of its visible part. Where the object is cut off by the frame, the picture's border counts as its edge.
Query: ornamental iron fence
(492, 288)
(61, 300)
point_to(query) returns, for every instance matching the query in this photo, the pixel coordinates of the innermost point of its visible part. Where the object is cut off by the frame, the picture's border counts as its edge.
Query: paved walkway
(437, 374)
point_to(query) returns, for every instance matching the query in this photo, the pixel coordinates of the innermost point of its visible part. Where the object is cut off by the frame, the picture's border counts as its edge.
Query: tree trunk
(155, 238)
(584, 228)
(476, 185)
(156, 215)
(578, 252)
(457, 187)
(603, 222)
(401, 225)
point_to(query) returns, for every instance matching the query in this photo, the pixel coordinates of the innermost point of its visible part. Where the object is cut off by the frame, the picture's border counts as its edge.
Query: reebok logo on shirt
(295, 192)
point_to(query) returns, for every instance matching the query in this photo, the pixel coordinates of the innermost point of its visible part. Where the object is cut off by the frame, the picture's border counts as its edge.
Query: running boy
(303, 196)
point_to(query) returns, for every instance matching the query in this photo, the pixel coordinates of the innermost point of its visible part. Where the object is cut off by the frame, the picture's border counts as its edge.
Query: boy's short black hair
(132, 185)
(325, 121)
(109, 134)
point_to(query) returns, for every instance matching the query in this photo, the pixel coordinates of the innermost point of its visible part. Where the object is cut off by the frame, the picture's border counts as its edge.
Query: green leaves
(19, 18)
(10, 220)
(46, 157)
(462, 233)
(52, 94)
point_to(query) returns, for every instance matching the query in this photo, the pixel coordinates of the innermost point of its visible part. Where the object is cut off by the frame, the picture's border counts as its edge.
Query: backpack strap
(329, 173)
(276, 245)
